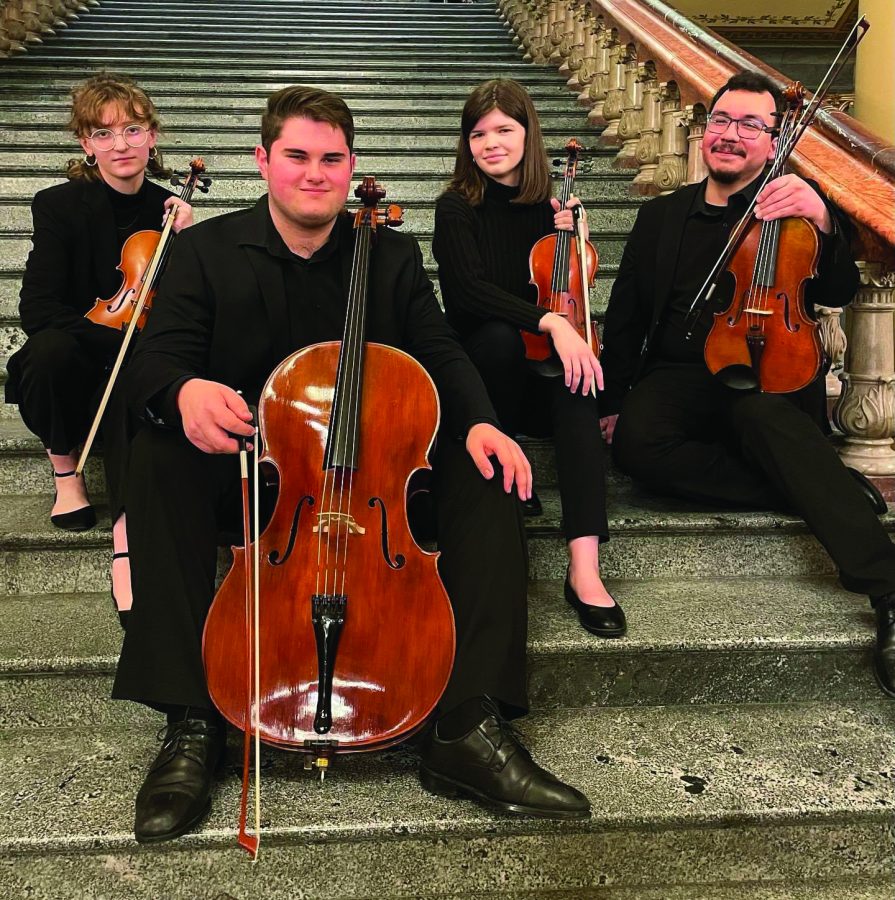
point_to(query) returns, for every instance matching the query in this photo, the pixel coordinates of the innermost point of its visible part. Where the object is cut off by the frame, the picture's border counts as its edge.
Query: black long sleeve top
(482, 254)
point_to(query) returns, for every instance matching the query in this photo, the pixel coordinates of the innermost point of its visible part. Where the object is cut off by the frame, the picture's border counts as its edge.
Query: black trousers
(528, 403)
(178, 501)
(681, 432)
(58, 381)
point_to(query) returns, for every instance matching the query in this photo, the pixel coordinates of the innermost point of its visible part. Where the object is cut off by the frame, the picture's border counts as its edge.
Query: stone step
(700, 793)
(58, 651)
(652, 537)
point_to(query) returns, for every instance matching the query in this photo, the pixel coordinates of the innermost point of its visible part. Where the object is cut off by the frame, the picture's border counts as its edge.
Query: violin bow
(855, 36)
(581, 244)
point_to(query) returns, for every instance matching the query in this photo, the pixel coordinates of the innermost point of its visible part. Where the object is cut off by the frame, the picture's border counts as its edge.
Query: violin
(142, 260)
(766, 337)
(332, 631)
(563, 279)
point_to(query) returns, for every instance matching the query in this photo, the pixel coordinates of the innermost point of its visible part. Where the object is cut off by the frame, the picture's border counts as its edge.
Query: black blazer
(221, 314)
(645, 278)
(73, 261)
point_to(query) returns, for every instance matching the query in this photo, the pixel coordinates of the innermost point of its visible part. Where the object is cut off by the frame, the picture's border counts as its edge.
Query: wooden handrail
(854, 168)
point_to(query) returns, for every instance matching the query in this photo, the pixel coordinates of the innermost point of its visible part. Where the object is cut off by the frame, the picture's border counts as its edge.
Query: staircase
(734, 745)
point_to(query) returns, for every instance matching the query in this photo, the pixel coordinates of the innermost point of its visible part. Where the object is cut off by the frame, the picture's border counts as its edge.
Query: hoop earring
(153, 153)
(90, 160)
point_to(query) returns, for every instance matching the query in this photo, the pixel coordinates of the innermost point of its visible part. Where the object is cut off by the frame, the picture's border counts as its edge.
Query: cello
(562, 279)
(332, 631)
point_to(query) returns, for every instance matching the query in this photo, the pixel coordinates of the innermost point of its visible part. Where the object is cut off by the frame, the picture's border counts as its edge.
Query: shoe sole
(447, 787)
(617, 633)
(170, 835)
(882, 685)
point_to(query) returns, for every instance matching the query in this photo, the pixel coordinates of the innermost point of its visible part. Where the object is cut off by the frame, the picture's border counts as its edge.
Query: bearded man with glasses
(673, 425)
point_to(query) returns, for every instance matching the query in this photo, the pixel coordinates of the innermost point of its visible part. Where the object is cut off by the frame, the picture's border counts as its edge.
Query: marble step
(739, 640)
(652, 537)
(682, 794)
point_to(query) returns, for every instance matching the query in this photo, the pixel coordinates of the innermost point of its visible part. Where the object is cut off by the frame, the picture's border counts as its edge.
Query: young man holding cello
(241, 293)
(683, 432)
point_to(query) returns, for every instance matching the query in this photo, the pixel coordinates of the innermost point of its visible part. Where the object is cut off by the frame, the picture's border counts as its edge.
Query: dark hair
(88, 102)
(303, 102)
(512, 100)
(755, 83)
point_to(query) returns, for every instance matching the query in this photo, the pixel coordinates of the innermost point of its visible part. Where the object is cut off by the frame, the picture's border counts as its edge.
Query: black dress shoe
(532, 506)
(176, 794)
(884, 654)
(604, 621)
(490, 765)
(870, 491)
(82, 519)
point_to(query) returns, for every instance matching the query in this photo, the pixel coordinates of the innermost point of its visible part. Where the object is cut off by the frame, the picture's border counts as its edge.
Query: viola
(347, 641)
(563, 279)
(766, 337)
(142, 260)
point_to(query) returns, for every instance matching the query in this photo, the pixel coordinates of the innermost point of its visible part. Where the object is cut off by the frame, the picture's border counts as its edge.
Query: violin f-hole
(790, 325)
(399, 560)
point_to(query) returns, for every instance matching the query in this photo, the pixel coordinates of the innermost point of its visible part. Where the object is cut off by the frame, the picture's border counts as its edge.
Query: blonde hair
(512, 100)
(90, 99)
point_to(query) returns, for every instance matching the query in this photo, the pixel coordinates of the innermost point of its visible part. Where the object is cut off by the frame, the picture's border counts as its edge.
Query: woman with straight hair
(496, 206)
(80, 227)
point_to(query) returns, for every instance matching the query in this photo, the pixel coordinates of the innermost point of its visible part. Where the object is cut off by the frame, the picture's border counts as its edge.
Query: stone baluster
(834, 343)
(600, 83)
(576, 50)
(589, 62)
(538, 44)
(694, 119)
(32, 20)
(16, 22)
(557, 30)
(865, 411)
(615, 94)
(672, 168)
(61, 14)
(43, 12)
(647, 152)
(515, 17)
(631, 121)
(569, 30)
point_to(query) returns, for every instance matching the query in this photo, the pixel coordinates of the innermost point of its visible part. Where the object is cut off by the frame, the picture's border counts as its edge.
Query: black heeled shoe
(532, 506)
(123, 614)
(603, 621)
(876, 500)
(82, 519)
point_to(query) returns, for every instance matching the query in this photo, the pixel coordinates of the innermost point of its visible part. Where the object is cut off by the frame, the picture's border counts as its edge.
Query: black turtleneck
(133, 212)
(482, 254)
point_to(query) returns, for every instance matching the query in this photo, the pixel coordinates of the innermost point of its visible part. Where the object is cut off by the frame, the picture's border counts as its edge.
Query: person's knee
(495, 346)
(53, 353)
(760, 417)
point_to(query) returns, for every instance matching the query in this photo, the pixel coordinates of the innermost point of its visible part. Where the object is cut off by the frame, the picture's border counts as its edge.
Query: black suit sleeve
(176, 343)
(627, 322)
(837, 278)
(44, 300)
(433, 343)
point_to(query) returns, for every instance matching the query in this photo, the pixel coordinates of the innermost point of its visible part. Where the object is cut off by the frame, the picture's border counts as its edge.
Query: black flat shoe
(870, 491)
(82, 519)
(884, 653)
(604, 621)
(532, 506)
(490, 765)
(176, 795)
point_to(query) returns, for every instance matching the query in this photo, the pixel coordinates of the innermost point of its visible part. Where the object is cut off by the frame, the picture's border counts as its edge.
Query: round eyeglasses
(134, 136)
(747, 129)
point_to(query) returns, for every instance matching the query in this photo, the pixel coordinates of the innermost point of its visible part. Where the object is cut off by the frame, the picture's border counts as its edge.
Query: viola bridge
(340, 522)
(757, 312)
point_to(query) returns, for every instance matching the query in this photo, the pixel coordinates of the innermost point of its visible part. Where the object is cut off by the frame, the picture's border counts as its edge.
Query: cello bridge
(758, 312)
(329, 520)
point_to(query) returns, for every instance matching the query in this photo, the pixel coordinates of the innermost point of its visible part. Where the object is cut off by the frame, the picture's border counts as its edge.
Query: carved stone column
(647, 152)
(576, 51)
(631, 120)
(539, 24)
(601, 79)
(615, 92)
(834, 343)
(694, 119)
(865, 412)
(556, 32)
(16, 24)
(589, 61)
(672, 168)
(567, 39)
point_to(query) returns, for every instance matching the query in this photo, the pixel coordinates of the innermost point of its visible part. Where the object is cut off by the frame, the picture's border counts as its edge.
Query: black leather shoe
(604, 621)
(490, 765)
(82, 519)
(176, 794)
(532, 506)
(870, 491)
(884, 654)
